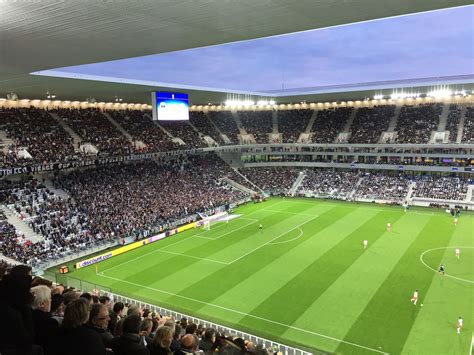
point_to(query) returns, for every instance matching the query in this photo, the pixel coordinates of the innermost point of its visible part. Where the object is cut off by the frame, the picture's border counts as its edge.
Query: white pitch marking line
(287, 241)
(192, 256)
(429, 267)
(232, 231)
(271, 240)
(245, 314)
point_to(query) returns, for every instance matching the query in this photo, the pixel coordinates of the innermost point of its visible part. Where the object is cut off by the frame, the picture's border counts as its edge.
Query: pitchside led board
(170, 106)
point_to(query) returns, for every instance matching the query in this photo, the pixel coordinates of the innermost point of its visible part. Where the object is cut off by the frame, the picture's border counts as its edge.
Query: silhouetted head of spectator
(105, 300)
(76, 313)
(131, 324)
(87, 296)
(15, 289)
(40, 281)
(118, 308)
(21, 270)
(57, 304)
(183, 322)
(191, 328)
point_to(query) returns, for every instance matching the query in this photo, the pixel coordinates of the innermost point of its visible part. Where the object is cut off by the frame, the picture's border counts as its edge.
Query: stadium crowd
(329, 123)
(42, 318)
(415, 123)
(275, 180)
(257, 123)
(448, 188)
(94, 128)
(291, 123)
(381, 186)
(204, 125)
(468, 130)
(454, 117)
(36, 131)
(226, 124)
(370, 122)
(184, 131)
(111, 202)
(143, 130)
(328, 183)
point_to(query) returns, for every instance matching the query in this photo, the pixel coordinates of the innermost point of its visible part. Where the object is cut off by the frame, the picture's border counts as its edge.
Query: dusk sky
(433, 44)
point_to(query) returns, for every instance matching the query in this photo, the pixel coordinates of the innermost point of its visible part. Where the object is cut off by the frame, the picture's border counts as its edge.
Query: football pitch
(306, 280)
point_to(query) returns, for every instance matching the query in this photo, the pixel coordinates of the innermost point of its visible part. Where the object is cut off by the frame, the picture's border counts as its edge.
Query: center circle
(446, 274)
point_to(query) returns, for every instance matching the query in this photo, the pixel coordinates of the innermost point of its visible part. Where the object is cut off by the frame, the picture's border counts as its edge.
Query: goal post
(208, 222)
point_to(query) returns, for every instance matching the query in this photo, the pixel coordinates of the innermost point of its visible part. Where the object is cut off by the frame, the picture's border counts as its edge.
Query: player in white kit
(389, 226)
(414, 298)
(455, 222)
(366, 244)
(458, 253)
(459, 325)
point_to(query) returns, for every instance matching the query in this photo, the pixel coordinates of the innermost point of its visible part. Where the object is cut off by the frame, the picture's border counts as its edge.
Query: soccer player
(458, 253)
(455, 222)
(459, 325)
(366, 243)
(441, 269)
(260, 228)
(389, 226)
(414, 299)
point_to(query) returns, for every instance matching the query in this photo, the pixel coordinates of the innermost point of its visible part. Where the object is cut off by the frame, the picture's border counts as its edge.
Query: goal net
(207, 222)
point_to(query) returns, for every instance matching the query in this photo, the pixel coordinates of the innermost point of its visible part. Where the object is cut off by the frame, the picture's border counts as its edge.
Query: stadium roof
(36, 36)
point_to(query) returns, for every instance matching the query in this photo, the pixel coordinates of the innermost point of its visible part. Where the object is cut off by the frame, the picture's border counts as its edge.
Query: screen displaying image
(170, 106)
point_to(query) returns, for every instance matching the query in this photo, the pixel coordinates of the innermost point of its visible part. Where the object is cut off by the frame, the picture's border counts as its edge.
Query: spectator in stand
(74, 337)
(130, 341)
(257, 123)
(45, 326)
(162, 341)
(115, 316)
(145, 331)
(17, 335)
(98, 321)
(291, 123)
(188, 345)
(207, 340)
(226, 124)
(57, 307)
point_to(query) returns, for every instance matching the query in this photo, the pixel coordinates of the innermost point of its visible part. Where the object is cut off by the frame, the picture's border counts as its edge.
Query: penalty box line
(244, 314)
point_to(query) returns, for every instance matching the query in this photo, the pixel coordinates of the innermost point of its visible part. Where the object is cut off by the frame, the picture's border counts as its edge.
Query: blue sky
(433, 44)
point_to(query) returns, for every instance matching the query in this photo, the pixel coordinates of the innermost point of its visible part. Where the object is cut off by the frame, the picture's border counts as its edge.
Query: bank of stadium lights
(404, 95)
(49, 95)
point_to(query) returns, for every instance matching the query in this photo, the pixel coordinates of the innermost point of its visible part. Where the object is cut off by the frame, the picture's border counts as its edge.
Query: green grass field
(307, 280)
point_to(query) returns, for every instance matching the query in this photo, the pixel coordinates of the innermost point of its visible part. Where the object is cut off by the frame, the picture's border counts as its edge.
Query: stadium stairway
(356, 186)
(348, 125)
(470, 193)
(393, 121)
(118, 126)
(311, 121)
(46, 181)
(249, 181)
(275, 121)
(461, 124)
(443, 118)
(238, 186)
(206, 139)
(238, 122)
(222, 135)
(21, 226)
(75, 137)
(5, 142)
(409, 194)
(297, 183)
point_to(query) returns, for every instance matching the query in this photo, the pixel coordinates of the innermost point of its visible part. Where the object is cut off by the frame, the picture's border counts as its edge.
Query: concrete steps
(77, 140)
(238, 122)
(311, 122)
(409, 194)
(443, 118)
(238, 186)
(461, 124)
(21, 226)
(275, 121)
(297, 183)
(347, 127)
(118, 126)
(393, 122)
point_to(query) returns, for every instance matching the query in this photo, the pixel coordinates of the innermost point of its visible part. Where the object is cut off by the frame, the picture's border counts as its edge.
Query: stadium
(237, 177)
